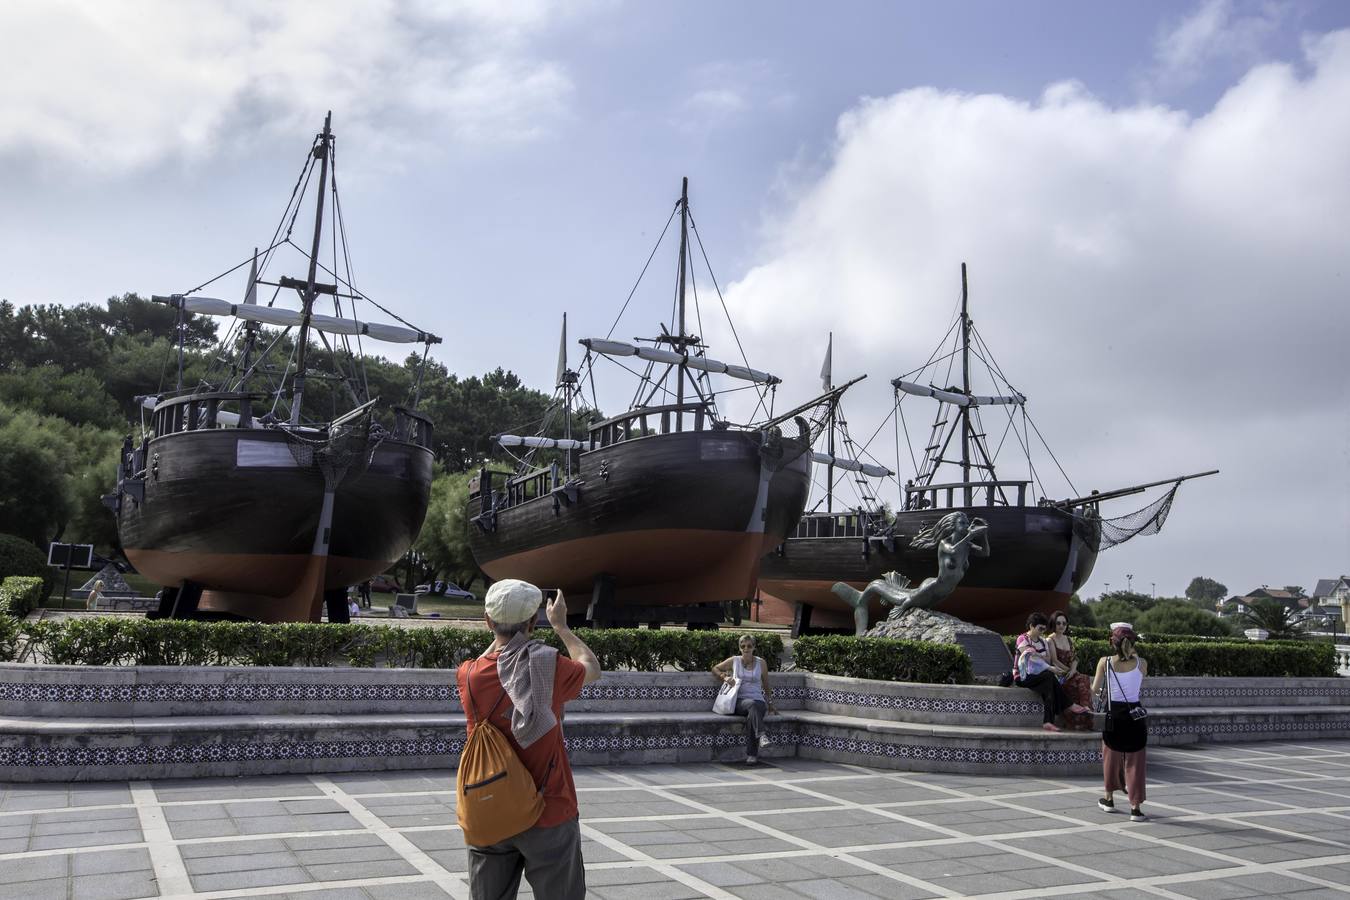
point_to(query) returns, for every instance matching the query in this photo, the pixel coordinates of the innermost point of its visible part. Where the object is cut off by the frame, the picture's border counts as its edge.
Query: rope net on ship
(1102, 534)
(345, 452)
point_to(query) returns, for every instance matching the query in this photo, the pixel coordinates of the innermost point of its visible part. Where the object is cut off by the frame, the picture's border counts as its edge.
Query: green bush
(882, 659)
(11, 632)
(19, 594)
(1248, 659)
(106, 641)
(19, 557)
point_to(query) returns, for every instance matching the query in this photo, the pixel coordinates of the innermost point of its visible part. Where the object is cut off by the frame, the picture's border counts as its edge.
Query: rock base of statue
(989, 656)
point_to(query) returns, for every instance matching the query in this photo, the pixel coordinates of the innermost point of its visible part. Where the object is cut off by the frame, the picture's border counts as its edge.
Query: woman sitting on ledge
(1064, 660)
(752, 697)
(1034, 670)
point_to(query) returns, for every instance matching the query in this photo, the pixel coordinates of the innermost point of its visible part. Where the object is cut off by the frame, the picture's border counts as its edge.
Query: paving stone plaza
(1255, 820)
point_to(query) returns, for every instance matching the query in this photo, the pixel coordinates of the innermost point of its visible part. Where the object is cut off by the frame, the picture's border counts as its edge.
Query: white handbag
(725, 704)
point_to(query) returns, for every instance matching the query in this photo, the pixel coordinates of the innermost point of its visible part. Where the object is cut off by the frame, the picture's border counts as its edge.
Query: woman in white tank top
(1126, 732)
(752, 695)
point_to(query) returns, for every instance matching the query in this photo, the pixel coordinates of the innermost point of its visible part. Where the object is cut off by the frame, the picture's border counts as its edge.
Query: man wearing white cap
(538, 682)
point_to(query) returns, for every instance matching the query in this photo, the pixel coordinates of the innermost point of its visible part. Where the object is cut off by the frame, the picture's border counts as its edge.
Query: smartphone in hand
(541, 620)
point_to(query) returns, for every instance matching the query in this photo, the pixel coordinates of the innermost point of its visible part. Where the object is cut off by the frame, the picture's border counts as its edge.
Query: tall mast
(965, 386)
(684, 246)
(321, 150)
(829, 469)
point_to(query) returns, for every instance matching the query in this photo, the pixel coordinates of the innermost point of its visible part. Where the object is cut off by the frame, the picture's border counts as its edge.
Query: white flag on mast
(251, 295)
(826, 373)
(562, 353)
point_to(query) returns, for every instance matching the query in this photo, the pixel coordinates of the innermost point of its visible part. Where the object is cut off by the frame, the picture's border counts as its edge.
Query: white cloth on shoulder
(526, 668)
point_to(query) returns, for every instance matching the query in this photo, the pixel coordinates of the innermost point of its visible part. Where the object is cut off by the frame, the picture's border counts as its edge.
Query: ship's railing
(194, 412)
(964, 493)
(534, 483)
(546, 481)
(412, 427)
(649, 420)
(827, 525)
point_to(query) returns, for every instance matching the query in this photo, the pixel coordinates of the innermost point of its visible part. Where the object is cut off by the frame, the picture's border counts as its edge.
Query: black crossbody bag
(1136, 712)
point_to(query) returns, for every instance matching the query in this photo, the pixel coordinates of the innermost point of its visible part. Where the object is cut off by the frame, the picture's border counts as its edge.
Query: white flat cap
(511, 600)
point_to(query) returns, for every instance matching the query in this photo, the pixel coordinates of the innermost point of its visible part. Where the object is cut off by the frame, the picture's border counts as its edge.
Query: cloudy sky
(1153, 199)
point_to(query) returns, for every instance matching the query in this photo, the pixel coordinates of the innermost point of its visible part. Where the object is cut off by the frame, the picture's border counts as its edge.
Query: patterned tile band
(178, 692)
(927, 704)
(175, 692)
(979, 755)
(450, 746)
(1203, 729)
(197, 693)
(1323, 690)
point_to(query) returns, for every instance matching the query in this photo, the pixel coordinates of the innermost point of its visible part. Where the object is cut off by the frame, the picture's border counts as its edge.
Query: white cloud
(121, 84)
(1214, 31)
(724, 91)
(1168, 291)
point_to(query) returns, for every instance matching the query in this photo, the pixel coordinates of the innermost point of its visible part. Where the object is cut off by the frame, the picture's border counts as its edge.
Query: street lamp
(1154, 586)
(1129, 583)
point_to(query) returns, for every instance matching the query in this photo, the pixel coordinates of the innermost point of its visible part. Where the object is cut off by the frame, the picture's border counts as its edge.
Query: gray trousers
(550, 859)
(754, 711)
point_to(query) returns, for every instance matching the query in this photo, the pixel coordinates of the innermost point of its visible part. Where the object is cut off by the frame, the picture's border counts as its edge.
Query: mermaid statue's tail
(857, 600)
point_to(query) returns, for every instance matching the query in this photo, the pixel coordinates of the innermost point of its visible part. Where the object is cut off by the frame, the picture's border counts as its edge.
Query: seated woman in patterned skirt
(1064, 663)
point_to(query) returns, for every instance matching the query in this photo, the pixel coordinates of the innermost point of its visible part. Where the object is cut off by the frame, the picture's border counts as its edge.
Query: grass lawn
(429, 603)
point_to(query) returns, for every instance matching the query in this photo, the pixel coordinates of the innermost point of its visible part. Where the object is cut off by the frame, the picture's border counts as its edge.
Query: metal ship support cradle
(660, 513)
(244, 513)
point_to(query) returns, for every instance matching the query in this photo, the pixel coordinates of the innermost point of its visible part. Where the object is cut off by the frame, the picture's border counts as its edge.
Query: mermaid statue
(955, 536)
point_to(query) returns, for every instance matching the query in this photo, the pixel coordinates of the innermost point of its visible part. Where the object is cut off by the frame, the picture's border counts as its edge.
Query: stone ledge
(102, 749)
(69, 723)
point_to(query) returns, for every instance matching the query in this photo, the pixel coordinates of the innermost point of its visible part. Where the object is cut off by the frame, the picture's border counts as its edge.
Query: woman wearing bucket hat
(1125, 735)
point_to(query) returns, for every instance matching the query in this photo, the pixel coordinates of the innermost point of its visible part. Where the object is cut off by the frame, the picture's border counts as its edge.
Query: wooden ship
(660, 513)
(234, 499)
(1042, 550)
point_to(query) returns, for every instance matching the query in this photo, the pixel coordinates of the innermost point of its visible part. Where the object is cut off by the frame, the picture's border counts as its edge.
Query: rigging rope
(694, 227)
(651, 256)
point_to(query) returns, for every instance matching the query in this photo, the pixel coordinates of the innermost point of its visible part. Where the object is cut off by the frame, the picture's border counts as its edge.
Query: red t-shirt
(546, 758)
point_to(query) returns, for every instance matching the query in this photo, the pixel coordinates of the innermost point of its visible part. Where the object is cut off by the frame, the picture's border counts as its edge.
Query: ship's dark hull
(245, 532)
(674, 519)
(1035, 564)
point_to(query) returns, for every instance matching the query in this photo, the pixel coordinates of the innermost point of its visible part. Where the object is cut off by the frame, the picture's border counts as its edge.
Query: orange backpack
(496, 797)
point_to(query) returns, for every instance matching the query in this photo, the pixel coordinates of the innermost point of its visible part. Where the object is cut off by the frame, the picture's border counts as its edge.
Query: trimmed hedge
(1147, 637)
(1219, 659)
(19, 557)
(19, 595)
(106, 641)
(882, 659)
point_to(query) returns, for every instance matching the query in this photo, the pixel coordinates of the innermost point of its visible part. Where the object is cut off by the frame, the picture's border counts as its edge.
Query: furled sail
(284, 318)
(956, 398)
(670, 357)
(851, 465)
(542, 443)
